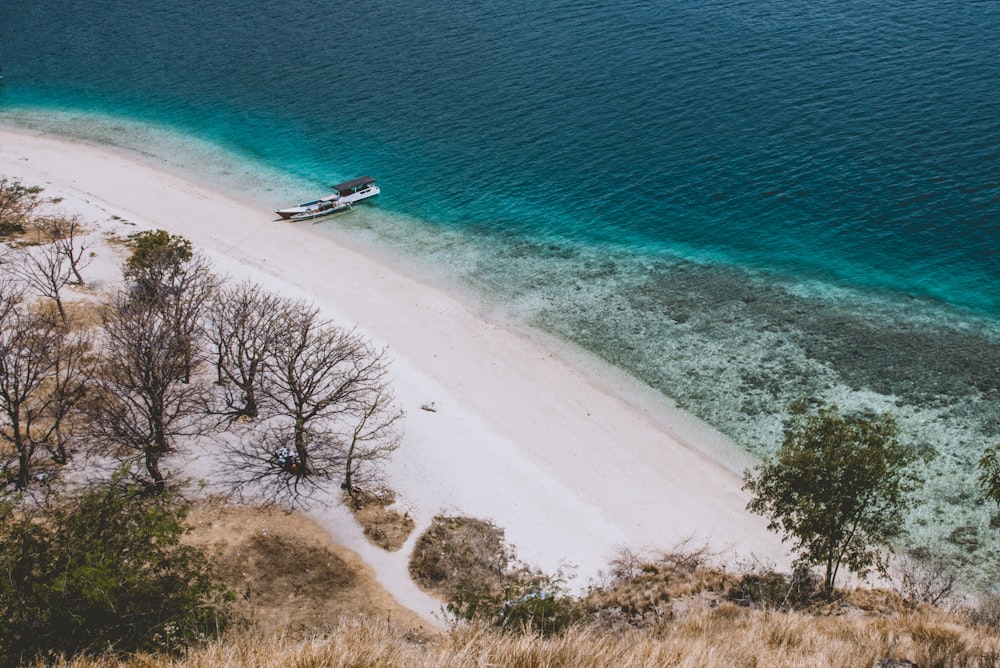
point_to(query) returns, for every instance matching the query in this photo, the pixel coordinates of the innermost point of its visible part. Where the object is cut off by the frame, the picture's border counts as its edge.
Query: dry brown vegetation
(726, 635)
(312, 604)
(642, 590)
(382, 523)
(454, 550)
(287, 575)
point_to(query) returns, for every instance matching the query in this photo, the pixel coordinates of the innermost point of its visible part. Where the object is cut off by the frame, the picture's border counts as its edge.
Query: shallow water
(741, 204)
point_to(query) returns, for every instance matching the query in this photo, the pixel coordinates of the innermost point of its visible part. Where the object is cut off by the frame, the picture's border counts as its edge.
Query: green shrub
(530, 602)
(156, 263)
(771, 589)
(467, 561)
(103, 571)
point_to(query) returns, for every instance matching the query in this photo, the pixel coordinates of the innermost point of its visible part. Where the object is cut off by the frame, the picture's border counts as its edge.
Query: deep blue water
(740, 203)
(849, 141)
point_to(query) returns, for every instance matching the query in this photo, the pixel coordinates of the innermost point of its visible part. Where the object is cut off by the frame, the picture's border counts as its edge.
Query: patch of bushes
(467, 561)
(986, 611)
(382, 524)
(10, 230)
(767, 588)
(103, 571)
(528, 601)
(457, 550)
(641, 587)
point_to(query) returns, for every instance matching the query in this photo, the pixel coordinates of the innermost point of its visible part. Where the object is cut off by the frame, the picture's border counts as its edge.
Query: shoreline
(560, 452)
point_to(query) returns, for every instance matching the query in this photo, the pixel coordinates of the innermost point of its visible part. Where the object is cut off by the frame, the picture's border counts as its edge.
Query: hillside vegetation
(309, 604)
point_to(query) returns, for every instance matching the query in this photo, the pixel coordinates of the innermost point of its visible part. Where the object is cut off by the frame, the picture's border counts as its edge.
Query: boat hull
(320, 211)
(307, 207)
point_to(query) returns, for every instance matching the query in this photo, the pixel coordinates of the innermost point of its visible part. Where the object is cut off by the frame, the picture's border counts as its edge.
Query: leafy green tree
(167, 276)
(103, 571)
(837, 488)
(17, 205)
(157, 259)
(989, 474)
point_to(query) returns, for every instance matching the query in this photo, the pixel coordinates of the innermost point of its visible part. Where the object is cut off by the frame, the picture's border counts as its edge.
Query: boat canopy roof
(348, 186)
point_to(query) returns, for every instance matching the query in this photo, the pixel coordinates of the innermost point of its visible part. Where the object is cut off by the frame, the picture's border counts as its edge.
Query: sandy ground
(569, 461)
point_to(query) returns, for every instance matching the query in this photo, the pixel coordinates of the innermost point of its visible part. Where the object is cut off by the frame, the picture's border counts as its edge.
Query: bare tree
(17, 204)
(49, 267)
(142, 401)
(20, 376)
(372, 435)
(11, 296)
(241, 325)
(184, 304)
(260, 466)
(65, 232)
(46, 270)
(43, 368)
(923, 579)
(73, 371)
(318, 372)
(330, 414)
(26, 358)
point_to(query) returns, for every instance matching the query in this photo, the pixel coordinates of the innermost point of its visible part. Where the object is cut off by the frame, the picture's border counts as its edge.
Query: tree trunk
(250, 405)
(153, 468)
(59, 454)
(62, 310)
(250, 394)
(300, 447)
(159, 435)
(154, 451)
(348, 485)
(23, 469)
(75, 270)
(23, 452)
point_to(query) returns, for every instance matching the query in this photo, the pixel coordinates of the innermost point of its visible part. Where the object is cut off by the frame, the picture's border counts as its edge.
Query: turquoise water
(739, 203)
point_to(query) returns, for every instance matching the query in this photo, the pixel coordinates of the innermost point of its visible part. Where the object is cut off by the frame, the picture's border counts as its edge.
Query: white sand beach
(567, 459)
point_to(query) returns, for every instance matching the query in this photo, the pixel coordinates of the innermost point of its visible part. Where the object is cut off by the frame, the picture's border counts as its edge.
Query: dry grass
(82, 313)
(646, 589)
(28, 236)
(286, 572)
(382, 524)
(726, 635)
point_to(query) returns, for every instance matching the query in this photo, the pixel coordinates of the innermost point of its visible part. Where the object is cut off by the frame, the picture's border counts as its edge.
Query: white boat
(345, 194)
(357, 189)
